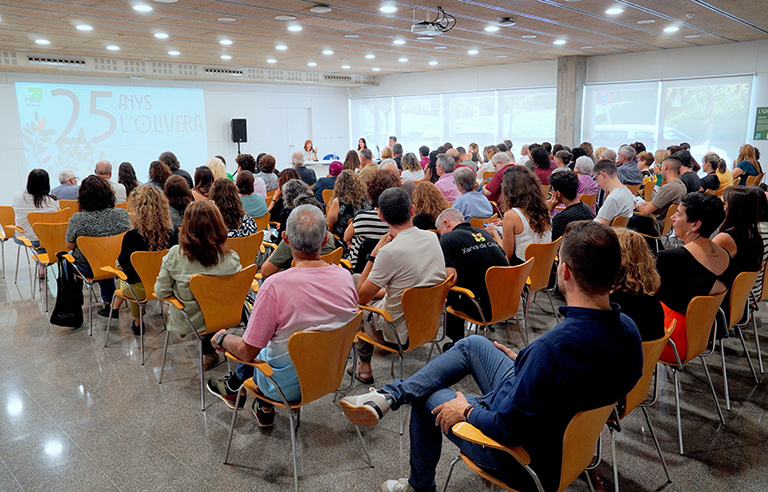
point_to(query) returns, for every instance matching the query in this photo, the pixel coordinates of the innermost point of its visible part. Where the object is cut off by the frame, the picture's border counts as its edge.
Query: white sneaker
(368, 408)
(401, 485)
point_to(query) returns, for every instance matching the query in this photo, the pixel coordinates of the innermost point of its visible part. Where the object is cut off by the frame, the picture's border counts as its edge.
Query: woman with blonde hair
(218, 169)
(151, 230)
(746, 164)
(387, 153)
(411, 168)
(430, 202)
(658, 158)
(349, 197)
(636, 285)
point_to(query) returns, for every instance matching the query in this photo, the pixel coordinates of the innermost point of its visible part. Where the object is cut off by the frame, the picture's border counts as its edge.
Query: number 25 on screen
(95, 96)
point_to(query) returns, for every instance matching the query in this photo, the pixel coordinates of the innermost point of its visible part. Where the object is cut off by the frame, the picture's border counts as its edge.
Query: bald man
(104, 170)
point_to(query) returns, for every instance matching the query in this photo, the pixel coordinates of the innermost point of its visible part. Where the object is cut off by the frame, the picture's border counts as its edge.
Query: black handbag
(68, 310)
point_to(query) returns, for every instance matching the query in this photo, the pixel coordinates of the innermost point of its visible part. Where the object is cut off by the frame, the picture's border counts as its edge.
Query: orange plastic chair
(123, 205)
(700, 340)
(8, 226)
(246, 247)
(71, 204)
(488, 174)
(620, 221)
(262, 222)
(545, 254)
(100, 252)
(327, 194)
(52, 239)
(579, 445)
(505, 286)
(633, 188)
(147, 265)
(648, 191)
(480, 222)
(319, 358)
(221, 300)
(588, 200)
(757, 299)
(667, 227)
(33, 218)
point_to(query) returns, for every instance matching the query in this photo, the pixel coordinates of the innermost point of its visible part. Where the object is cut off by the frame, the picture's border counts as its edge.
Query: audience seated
(746, 164)
(218, 169)
(225, 195)
(428, 202)
(203, 184)
(246, 162)
(351, 161)
(565, 184)
(126, 176)
(629, 173)
(306, 174)
(619, 202)
(169, 159)
(404, 257)
(367, 226)
(349, 197)
(158, 174)
(254, 203)
(67, 189)
(367, 166)
(543, 166)
(636, 284)
(201, 249)
(291, 191)
(501, 163)
(266, 168)
(179, 197)
(689, 170)
(591, 359)
(327, 182)
(445, 166)
(471, 203)
(412, 170)
(104, 170)
(36, 197)
(526, 218)
(762, 217)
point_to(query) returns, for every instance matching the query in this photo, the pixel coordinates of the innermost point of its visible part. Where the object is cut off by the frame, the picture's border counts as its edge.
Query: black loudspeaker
(239, 130)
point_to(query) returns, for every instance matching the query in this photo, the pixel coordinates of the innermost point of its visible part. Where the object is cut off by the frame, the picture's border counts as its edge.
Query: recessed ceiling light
(226, 57)
(226, 19)
(399, 42)
(559, 42)
(614, 11)
(271, 60)
(425, 38)
(42, 41)
(472, 52)
(441, 47)
(586, 48)
(491, 28)
(327, 52)
(529, 36)
(174, 53)
(351, 36)
(646, 21)
(294, 28)
(402, 60)
(388, 9)
(311, 64)
(376, 69)
(370, 57)
(345, 67)
(281, 47)
(142, 8)
(691, 36)
(161, 35)
(285, 17)
(84, 27)
(671, 29)
(433, 63)
(226, 42)
(113, 47)
(320, 9)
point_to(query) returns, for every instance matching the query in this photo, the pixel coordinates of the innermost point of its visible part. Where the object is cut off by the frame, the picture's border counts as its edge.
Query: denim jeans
(428, 388)
(106, 286)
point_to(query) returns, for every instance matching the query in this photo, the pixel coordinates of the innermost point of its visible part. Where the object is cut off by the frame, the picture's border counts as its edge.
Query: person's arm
(451, 271)
(646, 208)
(737, 171)
(268, 268)
(603, 221)
(164, 283)
(349, 232)
(236, 346)
(333, 214)
(485, 191)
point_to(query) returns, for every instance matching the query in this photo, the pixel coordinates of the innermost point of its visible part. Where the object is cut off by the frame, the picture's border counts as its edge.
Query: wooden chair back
(51, 238)
(320, 358)
(480, 221)
(123, 205)
(699, 321)
(246, 247)
(7, 221)
(73, 204)
(544, 253)
(740, 290)
(708, 192)
(334, 256)
(327, 194)
(422, 307)
(580, 442)
(147, 265)
(505, 286)
(101, 252)
(49, 217)
(668, 219)
(651, 352)
(545, 190)
(262, 222)
(221, 298)
(271, 194)
(754, 180)
(588, 200)
(488, 174)
(620, 221)
(764, 292)
(633, 188)
(648, 191)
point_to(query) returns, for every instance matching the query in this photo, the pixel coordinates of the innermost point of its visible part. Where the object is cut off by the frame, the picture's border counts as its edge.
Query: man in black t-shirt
(565, 184)
(469, 252)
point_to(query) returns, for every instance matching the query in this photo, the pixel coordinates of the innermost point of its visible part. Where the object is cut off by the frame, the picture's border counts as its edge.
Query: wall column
(571, 75)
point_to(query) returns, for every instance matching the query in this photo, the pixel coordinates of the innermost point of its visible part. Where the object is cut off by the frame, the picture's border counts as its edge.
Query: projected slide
(66, 126)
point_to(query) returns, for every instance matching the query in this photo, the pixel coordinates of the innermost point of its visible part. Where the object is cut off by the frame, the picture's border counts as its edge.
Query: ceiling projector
(442, 23)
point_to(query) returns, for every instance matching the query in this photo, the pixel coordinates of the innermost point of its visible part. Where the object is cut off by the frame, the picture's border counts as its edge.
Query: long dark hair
(741, 210)
(177, 190)
(159, 172)
(126, 176)
(203, 180)
(203, 236)
(520, 188)
(432, 166)
(39, 186)
(224, 194)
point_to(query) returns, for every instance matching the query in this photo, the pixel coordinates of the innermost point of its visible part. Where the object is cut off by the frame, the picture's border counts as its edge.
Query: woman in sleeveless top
(526, 217)
(693, 269)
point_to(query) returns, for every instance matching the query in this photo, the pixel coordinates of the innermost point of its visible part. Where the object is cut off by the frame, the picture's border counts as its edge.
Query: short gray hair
(66, 175)
(627, 151)
(609, 154)
(367, 154)
(297, 159)
(464, 179)
(293, 189)
(446, 162)
(500, 158)
(451, 215)
(584, 165)
(305, 229)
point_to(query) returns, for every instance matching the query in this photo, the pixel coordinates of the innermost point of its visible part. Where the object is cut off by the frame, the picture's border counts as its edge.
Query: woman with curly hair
(351, 161)
(225, 195)
(202, 248)
(126, 176)
(158, 174)
(349, 197)
(526, 216)
(266, 172)
(179, 197)
(217, 167)
(429, 202)
(152, 230)
(636, 285)
(367, 225)
(411, 168)
(203, 183)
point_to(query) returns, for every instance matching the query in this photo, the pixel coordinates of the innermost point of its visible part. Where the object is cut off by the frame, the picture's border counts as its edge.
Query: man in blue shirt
(591, 359)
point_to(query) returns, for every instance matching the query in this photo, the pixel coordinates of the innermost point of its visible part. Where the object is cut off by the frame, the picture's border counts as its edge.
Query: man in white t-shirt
(620, 202)
(104, 170)
(405, 257)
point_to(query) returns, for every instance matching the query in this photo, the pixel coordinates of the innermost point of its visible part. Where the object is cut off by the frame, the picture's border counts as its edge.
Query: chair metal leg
(712, 388)
(677, 409)
(2, 246)
(109, 321)
(232, 425)
(746, 353)
(293, 452)
(656, 443)
(16, 275)
(90, 311)
(365, 447)
(402, 407)
(202, 377)
(757, 343)
(450, 471)
(589, 482)
(141, 332)
(725, 377)
(45, 287)
(615, 460)
(165, 352)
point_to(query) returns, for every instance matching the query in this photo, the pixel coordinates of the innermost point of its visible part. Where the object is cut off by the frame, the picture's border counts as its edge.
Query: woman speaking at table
(310, 152)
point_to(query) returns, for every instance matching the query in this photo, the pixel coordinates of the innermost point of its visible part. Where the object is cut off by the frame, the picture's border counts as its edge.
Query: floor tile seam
(11, 473)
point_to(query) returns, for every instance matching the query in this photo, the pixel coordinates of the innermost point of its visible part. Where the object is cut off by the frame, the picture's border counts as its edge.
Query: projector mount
(442, 23)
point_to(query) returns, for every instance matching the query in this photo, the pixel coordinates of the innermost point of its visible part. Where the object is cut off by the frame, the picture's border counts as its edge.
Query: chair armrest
(345, 263)
(18, 229)
(381, 312)
(117, 273)
(462, 290)
(174, 301)
(255, 285)
(258, 276)
(68, 257)
(24, 240)
(258, 364)
(470, 433)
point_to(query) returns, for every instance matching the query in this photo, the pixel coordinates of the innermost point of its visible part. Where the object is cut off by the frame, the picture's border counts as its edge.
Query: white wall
(274, 112)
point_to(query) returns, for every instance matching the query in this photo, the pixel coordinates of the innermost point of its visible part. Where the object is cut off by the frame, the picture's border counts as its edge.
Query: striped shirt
(367, 225)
